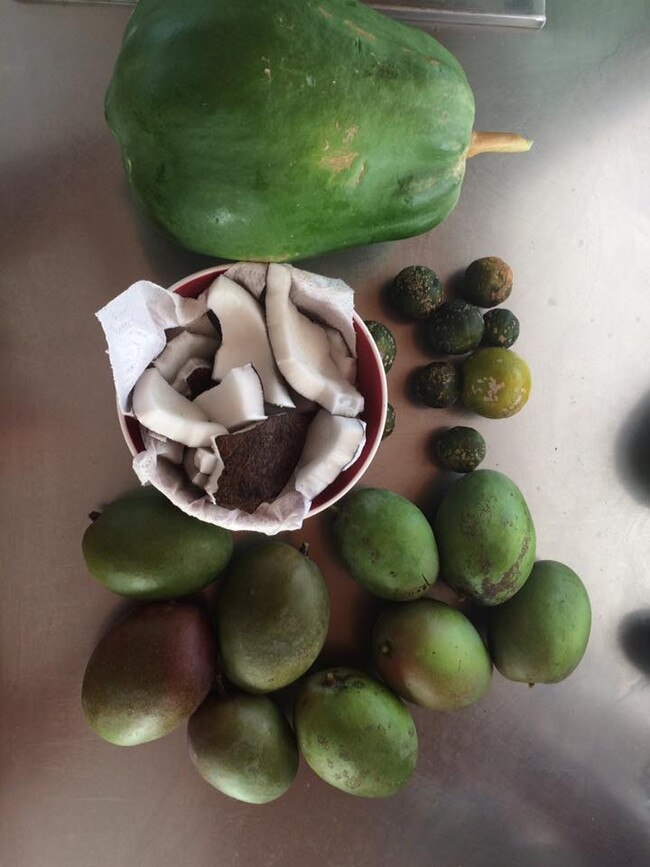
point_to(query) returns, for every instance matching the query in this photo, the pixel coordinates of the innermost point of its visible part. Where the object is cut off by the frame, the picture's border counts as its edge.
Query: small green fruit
(389, 427)
(541, 634)
(354, 733)
(437, 384)
(496, 383)
(455, 328)
(488, 281)
(416, 292)
(431, 654)
(244, 747)
(384, 341)
(460, 449)
(386, 544)
(501, 328)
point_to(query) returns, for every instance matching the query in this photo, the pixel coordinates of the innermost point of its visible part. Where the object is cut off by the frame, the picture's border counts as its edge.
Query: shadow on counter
(634, 639)
(633, 451)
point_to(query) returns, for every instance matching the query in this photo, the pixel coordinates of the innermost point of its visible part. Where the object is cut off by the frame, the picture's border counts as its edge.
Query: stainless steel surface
(550, 776)
(508, 13)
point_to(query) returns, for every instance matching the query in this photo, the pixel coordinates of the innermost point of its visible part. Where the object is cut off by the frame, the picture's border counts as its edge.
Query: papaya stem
(304, 549)
(497, 143)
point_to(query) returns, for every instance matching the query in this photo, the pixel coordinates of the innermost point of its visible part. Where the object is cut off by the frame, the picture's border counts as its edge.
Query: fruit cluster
(156, 668)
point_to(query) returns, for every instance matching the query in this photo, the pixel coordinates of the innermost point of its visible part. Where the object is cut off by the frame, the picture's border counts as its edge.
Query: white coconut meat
(181, 349)
(180, 383)
(302, 350)
(204, 326)
(238, 399)
(340, 355)
(330, 301)
(166, 412)
(251, 275)
(245, 338)
(333, 443)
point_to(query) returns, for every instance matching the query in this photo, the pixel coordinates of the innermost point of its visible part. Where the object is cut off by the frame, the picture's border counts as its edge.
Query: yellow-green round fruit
(496, 383)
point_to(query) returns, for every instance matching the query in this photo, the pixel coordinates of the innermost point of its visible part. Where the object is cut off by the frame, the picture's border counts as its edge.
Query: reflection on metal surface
(507, 13)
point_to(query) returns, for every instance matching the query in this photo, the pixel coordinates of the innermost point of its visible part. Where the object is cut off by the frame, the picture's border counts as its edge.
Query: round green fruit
(384, 341)
(455, 328)
(486, 537)
(431, 654)
(488, 281)
(144, 547)
(437, 384)
(501, 328)
(541, 634)
(496, 383)
(272, 614)
(386, 544)
(243, 746)
(416, 292)
(389, 427)
(355, 733)
(460, 449)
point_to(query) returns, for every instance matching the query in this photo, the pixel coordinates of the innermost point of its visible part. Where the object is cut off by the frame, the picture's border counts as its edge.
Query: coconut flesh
(272, 341)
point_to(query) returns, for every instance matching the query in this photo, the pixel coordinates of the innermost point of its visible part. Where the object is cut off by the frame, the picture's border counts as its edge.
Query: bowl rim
(361, 326)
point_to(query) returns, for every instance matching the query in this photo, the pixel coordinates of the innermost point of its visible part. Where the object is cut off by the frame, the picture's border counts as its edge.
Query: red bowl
(371, 382)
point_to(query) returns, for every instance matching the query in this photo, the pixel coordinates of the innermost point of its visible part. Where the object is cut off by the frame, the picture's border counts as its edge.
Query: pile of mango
(174, 658)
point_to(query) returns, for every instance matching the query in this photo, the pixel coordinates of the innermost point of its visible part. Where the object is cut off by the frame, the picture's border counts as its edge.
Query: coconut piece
(206, 325)
(340, 355)
(166, 412)
(332, 443)
(259, 462)
(245, 338)
(211, 483)
(168, 449)
(251, 275)
(302, 350)
(328, 300)
(206, 460)
(194, 377)
(238, 400)
(181, 349)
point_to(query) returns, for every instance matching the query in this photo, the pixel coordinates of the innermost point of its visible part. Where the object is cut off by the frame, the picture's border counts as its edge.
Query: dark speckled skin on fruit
(355, 733)
(501, 328)
(384, 341)
(149, 672)
(486, 537)
(455, 328)
(460, 449)
(437, 384)
(487, 281)
(416, 292)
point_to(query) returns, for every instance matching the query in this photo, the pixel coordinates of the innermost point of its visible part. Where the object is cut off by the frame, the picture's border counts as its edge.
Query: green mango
(431, 654)
(386, 544)
(144, 547)
(243, 746)
(486, 537)
(280, 129)
(272, 614)
(355, 733)
(541, 634)
(150, 671)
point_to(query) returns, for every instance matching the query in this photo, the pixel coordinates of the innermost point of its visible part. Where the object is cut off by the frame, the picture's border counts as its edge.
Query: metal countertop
(549, 776)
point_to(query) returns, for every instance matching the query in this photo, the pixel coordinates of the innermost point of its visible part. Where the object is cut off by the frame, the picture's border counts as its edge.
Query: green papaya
(287, 128)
